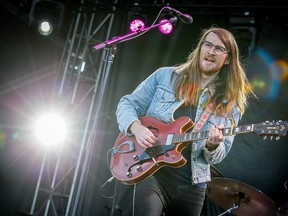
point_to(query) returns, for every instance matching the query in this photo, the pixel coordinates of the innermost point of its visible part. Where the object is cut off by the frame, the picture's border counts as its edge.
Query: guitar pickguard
(156, 150)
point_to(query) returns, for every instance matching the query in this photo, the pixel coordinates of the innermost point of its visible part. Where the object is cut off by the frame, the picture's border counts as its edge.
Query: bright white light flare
(51, 129)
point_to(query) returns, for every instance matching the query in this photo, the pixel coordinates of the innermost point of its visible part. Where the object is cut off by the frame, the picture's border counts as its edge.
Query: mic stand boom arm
(129, 36)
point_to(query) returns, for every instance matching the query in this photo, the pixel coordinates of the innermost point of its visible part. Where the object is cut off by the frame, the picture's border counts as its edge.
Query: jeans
(165, 196)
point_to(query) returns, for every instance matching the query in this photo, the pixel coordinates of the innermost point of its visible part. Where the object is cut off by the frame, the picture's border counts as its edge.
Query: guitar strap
(204, 117)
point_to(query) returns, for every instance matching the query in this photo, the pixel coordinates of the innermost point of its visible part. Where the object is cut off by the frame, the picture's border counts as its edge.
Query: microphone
(185, 18)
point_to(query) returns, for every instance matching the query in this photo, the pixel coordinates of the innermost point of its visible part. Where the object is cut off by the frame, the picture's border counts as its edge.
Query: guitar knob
(139, 168)
(166, 154)
(129, 174)
(135, 157)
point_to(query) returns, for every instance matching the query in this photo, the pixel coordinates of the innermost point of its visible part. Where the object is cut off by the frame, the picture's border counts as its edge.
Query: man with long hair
(212, 89)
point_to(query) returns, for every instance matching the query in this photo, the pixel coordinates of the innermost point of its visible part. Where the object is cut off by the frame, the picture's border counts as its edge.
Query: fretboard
(199, 135)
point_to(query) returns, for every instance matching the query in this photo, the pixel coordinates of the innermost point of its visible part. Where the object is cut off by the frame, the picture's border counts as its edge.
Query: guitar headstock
(271, 129)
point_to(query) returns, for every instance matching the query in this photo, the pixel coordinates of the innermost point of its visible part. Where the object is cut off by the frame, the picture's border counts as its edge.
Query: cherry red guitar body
(131, 163)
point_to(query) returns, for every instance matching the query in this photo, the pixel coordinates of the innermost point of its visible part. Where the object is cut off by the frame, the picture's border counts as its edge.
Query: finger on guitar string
(216, 134)
(146, 137)
(143, 135)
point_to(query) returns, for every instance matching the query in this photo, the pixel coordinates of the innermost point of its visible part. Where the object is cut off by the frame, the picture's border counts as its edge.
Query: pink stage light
(136, 25)
(166, 28)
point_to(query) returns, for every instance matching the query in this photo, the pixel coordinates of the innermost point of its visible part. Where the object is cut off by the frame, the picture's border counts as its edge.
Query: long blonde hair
(232, 85)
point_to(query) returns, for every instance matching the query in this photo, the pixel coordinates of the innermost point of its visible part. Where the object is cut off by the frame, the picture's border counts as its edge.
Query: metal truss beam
(62, 177)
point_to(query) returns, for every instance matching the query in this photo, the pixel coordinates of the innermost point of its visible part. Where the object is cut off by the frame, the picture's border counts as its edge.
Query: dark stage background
(29, 67)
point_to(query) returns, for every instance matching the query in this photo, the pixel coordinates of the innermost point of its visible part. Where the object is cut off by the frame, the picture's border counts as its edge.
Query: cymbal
(226, 192)
(215, 172)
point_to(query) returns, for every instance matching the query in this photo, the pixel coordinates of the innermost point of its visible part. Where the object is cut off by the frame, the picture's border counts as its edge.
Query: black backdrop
(27, 73)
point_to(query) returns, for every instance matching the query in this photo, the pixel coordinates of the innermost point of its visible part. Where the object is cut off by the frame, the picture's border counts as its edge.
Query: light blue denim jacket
(154, 97)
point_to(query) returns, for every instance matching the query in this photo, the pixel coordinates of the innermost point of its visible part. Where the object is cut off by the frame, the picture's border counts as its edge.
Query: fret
(227, 131)
(205, 135)
(200, 135)
(236, 130)
(179, 138)
(185, 137)
(249, 127)
(176, 138)
(243, 128)
(240, 129)
(193, 135)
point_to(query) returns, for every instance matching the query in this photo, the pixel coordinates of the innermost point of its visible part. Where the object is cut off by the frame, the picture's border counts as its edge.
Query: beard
(209, 68)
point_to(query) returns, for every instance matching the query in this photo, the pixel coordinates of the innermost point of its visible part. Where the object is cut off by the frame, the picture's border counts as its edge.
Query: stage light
(47, 17)
(137, 20)
(136, 25)
(45, 28)
(166, 28)
(50, 129)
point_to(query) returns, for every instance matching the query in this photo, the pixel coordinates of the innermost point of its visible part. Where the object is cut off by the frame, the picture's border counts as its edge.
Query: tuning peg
(277, 138)
(271, 138)
(265, 137)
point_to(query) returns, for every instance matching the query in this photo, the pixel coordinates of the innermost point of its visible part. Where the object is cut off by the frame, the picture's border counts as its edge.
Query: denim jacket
(155, 97)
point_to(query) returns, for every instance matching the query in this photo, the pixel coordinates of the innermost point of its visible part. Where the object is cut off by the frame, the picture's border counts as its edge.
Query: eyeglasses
(217, 49)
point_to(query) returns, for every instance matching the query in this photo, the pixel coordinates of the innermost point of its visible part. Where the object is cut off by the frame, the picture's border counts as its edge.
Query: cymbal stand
(234, 206)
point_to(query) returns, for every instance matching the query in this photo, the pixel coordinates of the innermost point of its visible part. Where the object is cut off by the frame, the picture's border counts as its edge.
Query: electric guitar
(131, 163)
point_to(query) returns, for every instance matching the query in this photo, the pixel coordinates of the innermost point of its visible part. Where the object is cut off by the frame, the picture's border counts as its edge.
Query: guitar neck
(199, 135)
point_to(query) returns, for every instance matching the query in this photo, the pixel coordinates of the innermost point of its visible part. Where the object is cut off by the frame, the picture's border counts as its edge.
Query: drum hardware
(239, 198)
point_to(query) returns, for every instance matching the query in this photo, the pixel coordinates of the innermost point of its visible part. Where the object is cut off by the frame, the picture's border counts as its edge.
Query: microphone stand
(110, 52)
(132, 35)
